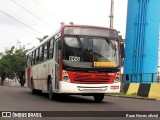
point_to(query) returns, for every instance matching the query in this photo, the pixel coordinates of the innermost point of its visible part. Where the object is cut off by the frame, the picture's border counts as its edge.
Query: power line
(21, 22)
(30, 12)
(47, 11)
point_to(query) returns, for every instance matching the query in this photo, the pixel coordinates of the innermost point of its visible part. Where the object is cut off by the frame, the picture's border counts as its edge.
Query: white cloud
(91, 12)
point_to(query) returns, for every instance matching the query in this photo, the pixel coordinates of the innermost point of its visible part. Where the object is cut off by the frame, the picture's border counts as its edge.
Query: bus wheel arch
(32, 86)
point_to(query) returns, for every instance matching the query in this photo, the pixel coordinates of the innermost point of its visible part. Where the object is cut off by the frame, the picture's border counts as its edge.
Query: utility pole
(111, 14)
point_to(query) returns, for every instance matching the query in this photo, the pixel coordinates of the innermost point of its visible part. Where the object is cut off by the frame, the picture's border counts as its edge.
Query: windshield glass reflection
(83, 51)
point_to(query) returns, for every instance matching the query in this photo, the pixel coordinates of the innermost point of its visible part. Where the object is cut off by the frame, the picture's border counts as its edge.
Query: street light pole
(111, 14)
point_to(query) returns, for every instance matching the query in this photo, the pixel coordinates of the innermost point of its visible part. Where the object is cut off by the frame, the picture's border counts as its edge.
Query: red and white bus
(76, 60)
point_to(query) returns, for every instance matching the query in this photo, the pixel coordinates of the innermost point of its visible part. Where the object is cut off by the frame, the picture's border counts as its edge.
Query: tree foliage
(12, 64)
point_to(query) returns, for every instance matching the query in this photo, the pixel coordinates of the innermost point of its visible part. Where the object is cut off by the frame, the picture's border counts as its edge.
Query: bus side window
(51, 49)
(29, 60)
(33, 57)
(45, 51)
(48, 47)
(37, 56)
(41, 54)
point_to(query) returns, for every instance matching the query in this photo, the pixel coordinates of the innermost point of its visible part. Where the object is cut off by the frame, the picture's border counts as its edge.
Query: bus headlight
(117, 78)
(65, 76)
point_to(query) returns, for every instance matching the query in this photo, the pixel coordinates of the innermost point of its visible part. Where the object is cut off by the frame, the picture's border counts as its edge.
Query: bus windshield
(89, 52)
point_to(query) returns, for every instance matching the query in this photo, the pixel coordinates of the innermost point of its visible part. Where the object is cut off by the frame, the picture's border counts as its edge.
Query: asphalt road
(21, 99)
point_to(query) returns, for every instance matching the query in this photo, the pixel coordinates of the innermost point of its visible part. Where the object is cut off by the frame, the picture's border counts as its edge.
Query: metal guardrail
(141, 78)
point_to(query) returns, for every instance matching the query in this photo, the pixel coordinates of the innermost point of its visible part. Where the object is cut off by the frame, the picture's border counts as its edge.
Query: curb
(14, 86)
(133, 97)
(150, 91)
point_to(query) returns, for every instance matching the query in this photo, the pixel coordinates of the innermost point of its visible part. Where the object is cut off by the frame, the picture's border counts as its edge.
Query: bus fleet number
(74, 58)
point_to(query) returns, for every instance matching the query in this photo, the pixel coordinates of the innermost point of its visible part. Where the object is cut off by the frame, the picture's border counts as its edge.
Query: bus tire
(50, 90)
(32, 87)
(98, 97)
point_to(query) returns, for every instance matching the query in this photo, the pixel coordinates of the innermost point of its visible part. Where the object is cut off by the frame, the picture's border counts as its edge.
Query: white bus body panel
(40, 74)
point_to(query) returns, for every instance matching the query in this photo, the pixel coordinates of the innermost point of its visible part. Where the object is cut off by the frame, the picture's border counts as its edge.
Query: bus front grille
(91, 78)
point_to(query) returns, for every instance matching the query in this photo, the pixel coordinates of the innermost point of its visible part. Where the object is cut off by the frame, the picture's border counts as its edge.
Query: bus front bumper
(65, 87)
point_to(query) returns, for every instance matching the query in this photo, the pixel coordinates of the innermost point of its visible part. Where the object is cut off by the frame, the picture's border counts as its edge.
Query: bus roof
(62, 28)
(41, 43)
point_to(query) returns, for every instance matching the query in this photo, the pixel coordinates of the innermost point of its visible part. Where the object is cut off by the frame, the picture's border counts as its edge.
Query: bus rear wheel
(50, 94)
(98, 97)
(34, 91)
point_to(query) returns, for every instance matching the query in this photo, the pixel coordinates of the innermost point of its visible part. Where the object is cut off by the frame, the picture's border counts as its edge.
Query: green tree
(12, 64)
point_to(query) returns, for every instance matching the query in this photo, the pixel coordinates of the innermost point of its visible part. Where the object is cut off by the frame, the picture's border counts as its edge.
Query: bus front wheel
(98, 97)
(50, 94)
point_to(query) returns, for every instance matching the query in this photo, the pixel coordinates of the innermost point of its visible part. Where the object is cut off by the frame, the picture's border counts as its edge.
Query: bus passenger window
(48, 47)
(45, 52)
(51, 49)
(29, 62)
(37, 56)
(41, 54)
(33, 56)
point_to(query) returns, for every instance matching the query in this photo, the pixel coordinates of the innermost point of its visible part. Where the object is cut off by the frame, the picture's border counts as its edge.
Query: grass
(125, 95)
(133, 95)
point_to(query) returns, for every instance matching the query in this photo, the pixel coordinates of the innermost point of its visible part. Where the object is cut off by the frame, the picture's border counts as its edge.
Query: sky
(22, 21)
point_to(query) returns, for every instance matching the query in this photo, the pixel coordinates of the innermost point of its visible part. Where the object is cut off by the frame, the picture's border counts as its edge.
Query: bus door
(43, 68)
(56, 54)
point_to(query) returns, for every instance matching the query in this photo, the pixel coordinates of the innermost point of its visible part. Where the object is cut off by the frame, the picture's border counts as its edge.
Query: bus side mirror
(59, 44)
(122, 50)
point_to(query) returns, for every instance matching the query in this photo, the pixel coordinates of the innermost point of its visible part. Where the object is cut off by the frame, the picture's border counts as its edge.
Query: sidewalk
(11, 83)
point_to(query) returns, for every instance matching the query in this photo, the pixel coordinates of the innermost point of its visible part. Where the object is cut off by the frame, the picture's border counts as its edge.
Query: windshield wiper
(81, 45)
(111, 44)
